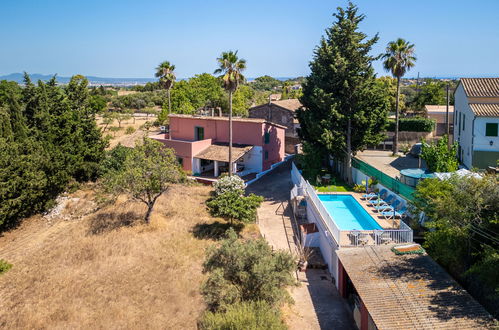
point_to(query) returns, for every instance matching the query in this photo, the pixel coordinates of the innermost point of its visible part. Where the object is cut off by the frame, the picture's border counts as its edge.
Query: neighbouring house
(476, 121)
(275, 97)
(281, 112)
(439, 114)
(201, 144)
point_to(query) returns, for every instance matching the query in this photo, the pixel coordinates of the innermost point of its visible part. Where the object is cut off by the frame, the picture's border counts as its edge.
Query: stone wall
(274, 114)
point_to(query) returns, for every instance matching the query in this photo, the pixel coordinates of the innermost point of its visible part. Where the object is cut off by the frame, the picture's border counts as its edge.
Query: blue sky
(129, 38)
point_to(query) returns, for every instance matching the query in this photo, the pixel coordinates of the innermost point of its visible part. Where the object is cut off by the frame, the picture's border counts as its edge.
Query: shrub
(4, 266)
(256, 315)
(246, 271)
(359, 188)
(438, 157)
(114, 159)
(228, 184)
(415, 124)
(129, 130)
(233, 205)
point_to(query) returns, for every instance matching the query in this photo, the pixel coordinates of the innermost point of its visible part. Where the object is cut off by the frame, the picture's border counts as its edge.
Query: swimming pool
(347, 213)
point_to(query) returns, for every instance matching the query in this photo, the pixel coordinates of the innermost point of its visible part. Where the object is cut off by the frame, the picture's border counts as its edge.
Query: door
(198, 133)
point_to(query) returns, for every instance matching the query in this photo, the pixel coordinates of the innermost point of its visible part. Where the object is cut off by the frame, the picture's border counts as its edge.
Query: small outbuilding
(410, 291)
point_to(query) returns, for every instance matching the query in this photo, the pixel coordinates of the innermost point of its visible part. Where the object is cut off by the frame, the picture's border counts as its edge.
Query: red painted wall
(244, 132)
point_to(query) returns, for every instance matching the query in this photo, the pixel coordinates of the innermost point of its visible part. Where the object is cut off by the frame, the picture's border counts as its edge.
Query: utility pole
(447, 124)
(417, 84)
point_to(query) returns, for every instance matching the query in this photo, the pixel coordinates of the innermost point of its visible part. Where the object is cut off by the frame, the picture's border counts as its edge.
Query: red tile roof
(290, 104)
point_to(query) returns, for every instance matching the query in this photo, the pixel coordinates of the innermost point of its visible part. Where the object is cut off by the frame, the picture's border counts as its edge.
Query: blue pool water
(347, 213)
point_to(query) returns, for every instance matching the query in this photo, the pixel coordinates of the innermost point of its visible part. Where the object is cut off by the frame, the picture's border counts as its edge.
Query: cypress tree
(344, 109)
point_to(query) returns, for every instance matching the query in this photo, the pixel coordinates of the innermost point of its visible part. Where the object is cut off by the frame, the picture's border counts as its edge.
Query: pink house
(201, 144)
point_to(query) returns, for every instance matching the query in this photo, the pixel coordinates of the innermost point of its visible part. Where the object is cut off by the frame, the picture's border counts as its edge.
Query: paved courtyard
(386, 163)
(318, 304)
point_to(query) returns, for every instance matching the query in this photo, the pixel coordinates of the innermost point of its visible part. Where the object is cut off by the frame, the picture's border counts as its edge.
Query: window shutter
(491, 129)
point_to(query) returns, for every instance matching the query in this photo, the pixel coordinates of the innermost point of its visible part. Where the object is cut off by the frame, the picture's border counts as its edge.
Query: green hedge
(415, 124)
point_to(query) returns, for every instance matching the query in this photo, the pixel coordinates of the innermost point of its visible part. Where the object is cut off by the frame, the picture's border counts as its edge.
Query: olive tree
(246, 271)
(148, 171)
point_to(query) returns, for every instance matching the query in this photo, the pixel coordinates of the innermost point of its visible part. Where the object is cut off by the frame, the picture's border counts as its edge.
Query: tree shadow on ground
(215, 230)
(448, 299)
(105, 222)
(407, 161)
(274, 186)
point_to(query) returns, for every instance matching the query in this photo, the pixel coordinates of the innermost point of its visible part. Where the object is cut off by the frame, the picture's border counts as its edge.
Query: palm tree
(230, 66)
(166, 76)
(398, 59)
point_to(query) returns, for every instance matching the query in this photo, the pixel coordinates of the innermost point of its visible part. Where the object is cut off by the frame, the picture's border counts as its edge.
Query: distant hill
(19, 77)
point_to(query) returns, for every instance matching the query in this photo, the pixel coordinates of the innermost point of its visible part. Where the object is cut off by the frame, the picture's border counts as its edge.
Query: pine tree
(344, 108)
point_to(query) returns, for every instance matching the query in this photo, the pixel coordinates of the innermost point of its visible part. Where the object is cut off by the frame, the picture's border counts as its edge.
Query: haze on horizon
(101, 38)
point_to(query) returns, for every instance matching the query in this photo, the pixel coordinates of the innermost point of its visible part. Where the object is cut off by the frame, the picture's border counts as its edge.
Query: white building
(476, 121)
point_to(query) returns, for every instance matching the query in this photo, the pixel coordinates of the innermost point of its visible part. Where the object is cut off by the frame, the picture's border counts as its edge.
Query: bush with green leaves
(413, 124)
(463, 218)
(129, 130)
(114, 159)
(246, 271)
(148, 171)
(228, 184)
(4, 266)
(254, 315)
(438, 157)
(233, 205)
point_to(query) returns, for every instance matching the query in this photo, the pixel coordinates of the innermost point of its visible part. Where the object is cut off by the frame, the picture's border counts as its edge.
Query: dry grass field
(105, 268)
(128, 140)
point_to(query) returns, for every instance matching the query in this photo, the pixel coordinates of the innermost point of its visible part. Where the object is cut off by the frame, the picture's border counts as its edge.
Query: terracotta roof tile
(290, 104)
(481, 87)
(221, 153)
(410, 291)
(438, 108)
(485, 109)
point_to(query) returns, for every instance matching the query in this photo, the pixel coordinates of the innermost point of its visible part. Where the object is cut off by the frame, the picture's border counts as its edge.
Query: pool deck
(385, 224)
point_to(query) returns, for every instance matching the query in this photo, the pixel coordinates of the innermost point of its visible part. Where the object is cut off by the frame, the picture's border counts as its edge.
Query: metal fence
(385, 180)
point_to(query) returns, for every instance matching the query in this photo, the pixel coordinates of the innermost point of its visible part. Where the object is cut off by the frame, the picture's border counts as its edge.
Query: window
(464, 120)
(267, 137)
(180, 161)
(198, 133)
(491, 129)
(266, 155)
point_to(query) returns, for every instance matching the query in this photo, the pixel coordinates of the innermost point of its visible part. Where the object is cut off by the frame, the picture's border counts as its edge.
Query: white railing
(348, 237)
(378, 237)
(294, 192)
(324, 214)
(296, 177)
